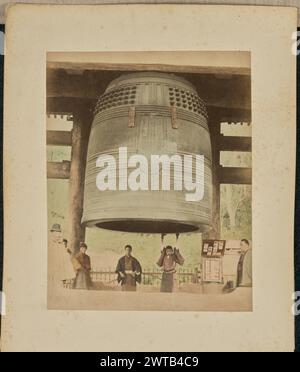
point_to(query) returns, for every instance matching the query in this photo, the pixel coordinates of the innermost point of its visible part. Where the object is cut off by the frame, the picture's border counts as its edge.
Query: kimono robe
(60, 265)
(168, 263)
(244, 271)
(132, 271)
(83, 265)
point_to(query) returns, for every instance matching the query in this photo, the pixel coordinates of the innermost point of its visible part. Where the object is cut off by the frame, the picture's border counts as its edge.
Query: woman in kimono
(82, 265)
(168, 260)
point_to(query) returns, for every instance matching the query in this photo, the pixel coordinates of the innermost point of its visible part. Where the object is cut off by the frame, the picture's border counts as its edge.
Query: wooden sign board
(213, 248)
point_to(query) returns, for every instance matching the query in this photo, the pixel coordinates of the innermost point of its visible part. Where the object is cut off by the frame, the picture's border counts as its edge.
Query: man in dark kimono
(82, 265)
(244, 270)
(129, 271)
(167, 261)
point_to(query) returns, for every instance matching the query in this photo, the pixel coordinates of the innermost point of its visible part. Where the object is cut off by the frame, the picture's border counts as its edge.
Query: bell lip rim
(199, 228)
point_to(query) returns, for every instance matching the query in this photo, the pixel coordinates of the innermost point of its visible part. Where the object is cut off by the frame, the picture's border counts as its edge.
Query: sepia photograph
(149, 181)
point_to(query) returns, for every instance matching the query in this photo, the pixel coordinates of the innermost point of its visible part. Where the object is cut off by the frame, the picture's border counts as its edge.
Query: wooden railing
(150, 277)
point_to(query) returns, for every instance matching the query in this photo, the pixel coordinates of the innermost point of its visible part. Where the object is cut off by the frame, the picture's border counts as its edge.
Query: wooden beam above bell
(231, 143)
(227, 93)
(235, 175)
(213, 62)
(223, 69)
(217, 114)
(58, 170)
(59, 138)
(67, 106)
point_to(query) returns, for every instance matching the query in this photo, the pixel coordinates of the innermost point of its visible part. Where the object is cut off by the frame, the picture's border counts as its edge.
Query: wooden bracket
(131, 117)
(174, 117)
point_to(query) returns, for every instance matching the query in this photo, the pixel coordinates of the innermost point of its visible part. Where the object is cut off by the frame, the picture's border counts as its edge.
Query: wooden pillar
(82, 120)
(215, 128)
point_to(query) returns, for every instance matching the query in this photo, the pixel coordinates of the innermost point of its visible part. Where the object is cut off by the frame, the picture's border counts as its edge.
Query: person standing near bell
(244, 270)
(82, 265)
(60, 266)
(168, 260)
(129, 271)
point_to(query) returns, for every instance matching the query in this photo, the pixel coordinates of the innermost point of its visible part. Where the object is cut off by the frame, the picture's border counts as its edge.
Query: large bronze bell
(147, 113)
